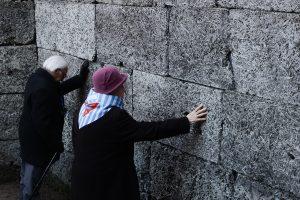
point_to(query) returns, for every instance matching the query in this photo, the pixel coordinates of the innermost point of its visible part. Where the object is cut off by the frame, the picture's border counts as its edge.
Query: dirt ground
(9, 183)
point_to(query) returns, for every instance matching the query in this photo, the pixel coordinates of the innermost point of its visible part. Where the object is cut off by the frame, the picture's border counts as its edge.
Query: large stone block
(199, 46)
(176, 175)
(272, 5)
(261, 140)
(10, 111)
(133, 36)
(266, 54)
(248, 127)
(66, 27)
(158, 98)
(17, 63)
(17, 24)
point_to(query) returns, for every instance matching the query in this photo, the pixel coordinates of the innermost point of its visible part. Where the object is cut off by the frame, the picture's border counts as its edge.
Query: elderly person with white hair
(42, 119)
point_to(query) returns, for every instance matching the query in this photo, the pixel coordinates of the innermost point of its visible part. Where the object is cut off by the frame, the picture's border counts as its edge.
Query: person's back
(103, 166)
(32, 144)
(42, 119)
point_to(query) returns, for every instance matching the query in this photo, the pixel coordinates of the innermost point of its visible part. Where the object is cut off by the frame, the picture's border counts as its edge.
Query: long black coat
(103, 167)
(42, 119)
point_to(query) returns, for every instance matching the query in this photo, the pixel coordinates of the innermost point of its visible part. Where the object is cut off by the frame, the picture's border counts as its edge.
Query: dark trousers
(30, 176)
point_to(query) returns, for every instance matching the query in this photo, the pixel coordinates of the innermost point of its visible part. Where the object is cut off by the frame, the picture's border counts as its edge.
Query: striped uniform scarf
(96, 106)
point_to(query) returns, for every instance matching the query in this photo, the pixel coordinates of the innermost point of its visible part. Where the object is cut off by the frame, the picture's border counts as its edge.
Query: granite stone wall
(241, 58)
(18, 58)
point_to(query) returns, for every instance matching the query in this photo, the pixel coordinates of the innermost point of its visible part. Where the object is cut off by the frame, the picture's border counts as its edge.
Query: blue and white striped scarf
(96, 106)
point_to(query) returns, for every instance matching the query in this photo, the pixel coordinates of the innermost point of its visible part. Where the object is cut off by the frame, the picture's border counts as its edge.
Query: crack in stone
(230, 66)
(221, 131)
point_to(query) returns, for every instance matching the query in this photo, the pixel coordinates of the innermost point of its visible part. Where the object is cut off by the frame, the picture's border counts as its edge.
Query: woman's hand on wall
(198, 115)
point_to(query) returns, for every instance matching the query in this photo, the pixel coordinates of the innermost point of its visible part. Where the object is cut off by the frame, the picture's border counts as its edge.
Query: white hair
(55, 62)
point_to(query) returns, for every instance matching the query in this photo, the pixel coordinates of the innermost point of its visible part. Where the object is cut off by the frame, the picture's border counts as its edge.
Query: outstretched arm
(76, 81)
(132, 130)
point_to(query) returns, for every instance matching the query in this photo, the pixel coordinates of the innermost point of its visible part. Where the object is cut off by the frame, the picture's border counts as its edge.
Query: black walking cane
(42, 177)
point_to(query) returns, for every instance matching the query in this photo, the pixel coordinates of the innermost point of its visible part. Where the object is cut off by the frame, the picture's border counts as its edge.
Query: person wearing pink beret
(103, 139)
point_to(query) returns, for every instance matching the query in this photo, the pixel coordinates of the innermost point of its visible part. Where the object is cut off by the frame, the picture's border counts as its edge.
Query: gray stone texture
(266, 54)
(10, 111)
(66, 27)
(270, 5)
(248, 126)
(199, 46)
(285, 149)
(175, 176)
(186, 3)
(66, 1)
(129, 2)
(142, 153)
(11, 148)
(16, 63)
(173, 99)
(261, 140)
(133, 36)
(17, 24)
(244, 189)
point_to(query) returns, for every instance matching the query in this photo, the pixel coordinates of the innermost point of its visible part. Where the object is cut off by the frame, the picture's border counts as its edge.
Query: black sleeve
(132, 130)
(71, 84)
(45, 119)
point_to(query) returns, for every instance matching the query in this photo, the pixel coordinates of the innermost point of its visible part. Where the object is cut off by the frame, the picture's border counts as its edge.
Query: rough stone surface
(10, 111)
(173, 99)
(199, 46)
(128, 2)
(17, 63)
(135, 37)
(186, 3)
(66, 27)
(16, 22)
(156, 97)
(271, 5)
(176, 175)
(142, 152)
(266, 54)
(248, 126)
(285, 149)
(245, 189)
(258, 143)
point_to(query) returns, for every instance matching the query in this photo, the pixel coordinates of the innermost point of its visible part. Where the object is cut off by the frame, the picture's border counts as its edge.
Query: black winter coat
(42, 119)
(103, 167)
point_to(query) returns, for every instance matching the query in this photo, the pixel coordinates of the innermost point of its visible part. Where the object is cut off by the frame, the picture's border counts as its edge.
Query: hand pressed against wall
(198, 115)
